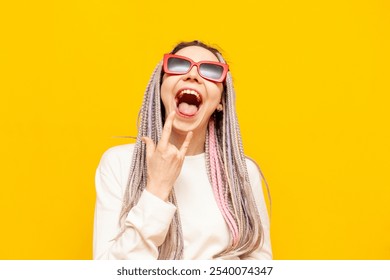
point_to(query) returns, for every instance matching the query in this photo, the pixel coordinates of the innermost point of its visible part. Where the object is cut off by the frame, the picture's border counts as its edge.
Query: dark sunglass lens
(211, 71)
(178, 65)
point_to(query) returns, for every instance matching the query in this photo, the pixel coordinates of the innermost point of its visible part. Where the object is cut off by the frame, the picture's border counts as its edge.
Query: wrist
(158, 191)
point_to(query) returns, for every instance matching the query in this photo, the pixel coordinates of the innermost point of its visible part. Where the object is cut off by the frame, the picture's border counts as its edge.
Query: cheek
(166, 91)
(167, 84)
(215, 91)
(164, 96)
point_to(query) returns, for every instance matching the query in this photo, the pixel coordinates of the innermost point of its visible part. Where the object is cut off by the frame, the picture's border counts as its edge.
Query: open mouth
(188, 102)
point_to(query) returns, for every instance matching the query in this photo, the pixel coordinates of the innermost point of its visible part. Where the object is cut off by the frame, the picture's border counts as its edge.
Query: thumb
(149, 146)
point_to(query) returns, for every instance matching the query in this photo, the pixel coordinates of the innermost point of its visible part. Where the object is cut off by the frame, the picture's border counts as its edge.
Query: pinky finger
(186, 143)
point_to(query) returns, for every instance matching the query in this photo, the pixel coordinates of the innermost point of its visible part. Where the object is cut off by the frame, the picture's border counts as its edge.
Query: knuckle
(179, 157)
(165, 157)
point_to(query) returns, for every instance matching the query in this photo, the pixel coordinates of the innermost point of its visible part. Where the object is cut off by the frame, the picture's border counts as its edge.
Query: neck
(196, 145)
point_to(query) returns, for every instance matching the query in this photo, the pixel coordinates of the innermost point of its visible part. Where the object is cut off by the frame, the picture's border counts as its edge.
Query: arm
(146, 224)
(264, 251)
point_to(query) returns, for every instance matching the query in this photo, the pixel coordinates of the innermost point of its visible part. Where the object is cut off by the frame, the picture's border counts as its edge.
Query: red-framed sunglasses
(209, 70)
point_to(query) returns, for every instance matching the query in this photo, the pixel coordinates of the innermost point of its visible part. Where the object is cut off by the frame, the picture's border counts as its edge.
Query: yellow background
(312, 82)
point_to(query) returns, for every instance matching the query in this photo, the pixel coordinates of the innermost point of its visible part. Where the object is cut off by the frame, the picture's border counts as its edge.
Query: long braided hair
(226, 167)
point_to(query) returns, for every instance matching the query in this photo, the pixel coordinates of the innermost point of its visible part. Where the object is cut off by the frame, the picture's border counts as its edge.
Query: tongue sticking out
(187, 109)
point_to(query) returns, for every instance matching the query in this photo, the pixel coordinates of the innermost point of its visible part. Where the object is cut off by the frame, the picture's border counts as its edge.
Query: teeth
(190, 91)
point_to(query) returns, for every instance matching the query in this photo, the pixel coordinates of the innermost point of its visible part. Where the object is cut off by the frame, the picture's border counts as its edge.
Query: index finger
(166, 133)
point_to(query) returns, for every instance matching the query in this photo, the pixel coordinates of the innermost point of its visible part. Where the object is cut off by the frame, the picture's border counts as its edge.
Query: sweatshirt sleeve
(147, 223)
(264, 252)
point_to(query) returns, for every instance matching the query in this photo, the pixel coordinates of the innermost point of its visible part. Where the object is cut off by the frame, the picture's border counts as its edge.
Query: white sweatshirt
(205, 232)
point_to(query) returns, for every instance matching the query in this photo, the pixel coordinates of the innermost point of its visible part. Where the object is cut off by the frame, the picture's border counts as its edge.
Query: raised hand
(164, 161)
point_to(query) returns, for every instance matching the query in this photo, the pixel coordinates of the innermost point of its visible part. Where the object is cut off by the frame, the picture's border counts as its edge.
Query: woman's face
(193, 98)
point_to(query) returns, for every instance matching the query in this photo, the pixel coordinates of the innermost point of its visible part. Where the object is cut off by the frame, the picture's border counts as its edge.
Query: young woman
(185, 189)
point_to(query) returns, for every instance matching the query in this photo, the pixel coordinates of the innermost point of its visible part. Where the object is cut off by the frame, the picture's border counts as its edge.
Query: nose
(192, 74)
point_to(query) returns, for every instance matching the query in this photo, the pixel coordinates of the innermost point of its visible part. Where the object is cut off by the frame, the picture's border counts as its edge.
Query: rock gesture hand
(164, 161)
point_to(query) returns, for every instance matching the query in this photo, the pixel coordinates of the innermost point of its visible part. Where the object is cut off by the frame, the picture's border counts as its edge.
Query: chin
(183, 127)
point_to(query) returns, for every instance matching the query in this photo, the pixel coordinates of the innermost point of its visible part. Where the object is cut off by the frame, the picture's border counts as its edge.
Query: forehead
(197, 53)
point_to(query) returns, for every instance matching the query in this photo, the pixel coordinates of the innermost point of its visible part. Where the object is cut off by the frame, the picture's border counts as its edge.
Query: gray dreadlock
(226, 166)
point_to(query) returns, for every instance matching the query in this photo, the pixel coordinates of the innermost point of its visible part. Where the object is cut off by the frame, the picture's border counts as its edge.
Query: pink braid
(217, 183)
